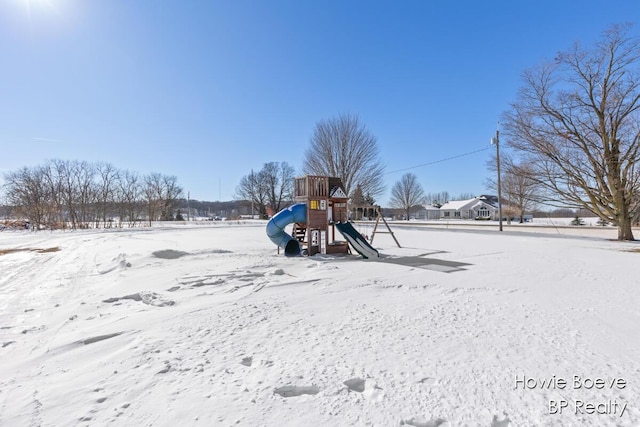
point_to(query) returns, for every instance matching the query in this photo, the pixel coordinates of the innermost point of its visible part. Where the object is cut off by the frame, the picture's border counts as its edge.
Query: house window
(456, 214)
(447, 214)
(483, 212)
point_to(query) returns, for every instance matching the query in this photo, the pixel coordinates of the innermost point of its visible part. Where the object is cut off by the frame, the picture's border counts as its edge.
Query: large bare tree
(407, 193)
(576, 120)
(343, 147)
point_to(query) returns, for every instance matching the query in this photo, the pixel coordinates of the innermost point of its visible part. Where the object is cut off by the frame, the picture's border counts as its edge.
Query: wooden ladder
(299, 232)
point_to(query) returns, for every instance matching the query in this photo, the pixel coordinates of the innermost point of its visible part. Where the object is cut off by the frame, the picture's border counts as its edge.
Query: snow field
(210, 326)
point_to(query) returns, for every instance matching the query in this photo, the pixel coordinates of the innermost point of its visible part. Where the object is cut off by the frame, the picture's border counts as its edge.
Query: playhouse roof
(337, 193)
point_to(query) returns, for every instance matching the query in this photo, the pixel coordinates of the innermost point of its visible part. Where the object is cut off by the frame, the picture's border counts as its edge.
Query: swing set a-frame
(379, 216)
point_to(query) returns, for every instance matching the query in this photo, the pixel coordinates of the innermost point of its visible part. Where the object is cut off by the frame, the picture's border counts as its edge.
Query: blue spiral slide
(276, 225)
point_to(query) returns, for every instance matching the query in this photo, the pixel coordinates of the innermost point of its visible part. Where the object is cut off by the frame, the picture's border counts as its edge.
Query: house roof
(457, 204)
(470, 203)
(489, 199)
(430, 208)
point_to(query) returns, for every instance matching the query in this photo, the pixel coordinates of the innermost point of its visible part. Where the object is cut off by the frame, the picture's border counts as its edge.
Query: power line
(438, 161)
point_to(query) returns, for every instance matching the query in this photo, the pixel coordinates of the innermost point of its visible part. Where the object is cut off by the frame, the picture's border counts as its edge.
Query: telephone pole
(496, 141)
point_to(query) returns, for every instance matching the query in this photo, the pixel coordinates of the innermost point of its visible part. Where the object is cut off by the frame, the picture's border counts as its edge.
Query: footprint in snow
(294, 391)
(506, 422)
(169, 254)
(421, 422)
(146, 297)
(355, 384)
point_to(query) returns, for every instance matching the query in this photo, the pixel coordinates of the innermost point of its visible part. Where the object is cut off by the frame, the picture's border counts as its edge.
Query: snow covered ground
(208, 325)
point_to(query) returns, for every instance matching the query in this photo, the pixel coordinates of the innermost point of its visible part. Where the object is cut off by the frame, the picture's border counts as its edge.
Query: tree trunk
(624, 219)
(624, 231)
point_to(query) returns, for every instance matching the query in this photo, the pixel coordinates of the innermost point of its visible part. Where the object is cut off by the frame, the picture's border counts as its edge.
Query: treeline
(79, 194)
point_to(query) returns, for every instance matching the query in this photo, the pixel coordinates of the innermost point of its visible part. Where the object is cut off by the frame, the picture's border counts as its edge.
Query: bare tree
(53, 183)
(161, 193)
(152, 192)
(128, 197)
(407, 193)
(437, 199)
(252, 188)
(576, 120)
(67, 191)
(520, 189)
(344, 148)
(27, 191)
(83, 176)
(105, 190)
(170, 194)
(278, 180)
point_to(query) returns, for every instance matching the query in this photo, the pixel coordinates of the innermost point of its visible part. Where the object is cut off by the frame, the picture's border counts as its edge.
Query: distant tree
(270, 188)
(171, 192)
(520, 189)
(106, 184)
(407, 193)
(27, 191)
(357, 202)
(68, 191)
(465, 196)
(161, 193)
(344, 148)
(278, 180)
(369, 200)
(152, 192)
(357, 197)
(83, 175)
(127, 196)
(437, 199)
(252, 188)
(576, 121)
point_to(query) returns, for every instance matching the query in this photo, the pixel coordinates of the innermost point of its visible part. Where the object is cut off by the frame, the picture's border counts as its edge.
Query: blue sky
(207, 90)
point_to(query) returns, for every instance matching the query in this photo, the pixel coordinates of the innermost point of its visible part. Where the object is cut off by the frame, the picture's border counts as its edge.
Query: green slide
(356, 240)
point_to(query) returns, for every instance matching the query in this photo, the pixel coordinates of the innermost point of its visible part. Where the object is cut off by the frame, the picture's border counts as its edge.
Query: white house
(481, 207)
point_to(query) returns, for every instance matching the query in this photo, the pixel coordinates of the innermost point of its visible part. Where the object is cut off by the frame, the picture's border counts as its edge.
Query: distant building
(427, 212)
(481, 207)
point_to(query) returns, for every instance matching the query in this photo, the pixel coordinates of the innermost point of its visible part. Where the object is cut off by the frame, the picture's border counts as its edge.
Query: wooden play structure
(319, 216)
(326, 204)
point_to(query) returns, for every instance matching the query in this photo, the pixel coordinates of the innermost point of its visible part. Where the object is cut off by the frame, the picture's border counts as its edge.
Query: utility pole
(252, 193)
(496, 141)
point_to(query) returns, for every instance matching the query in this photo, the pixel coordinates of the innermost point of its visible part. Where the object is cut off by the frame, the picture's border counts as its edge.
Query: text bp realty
(577, 382)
